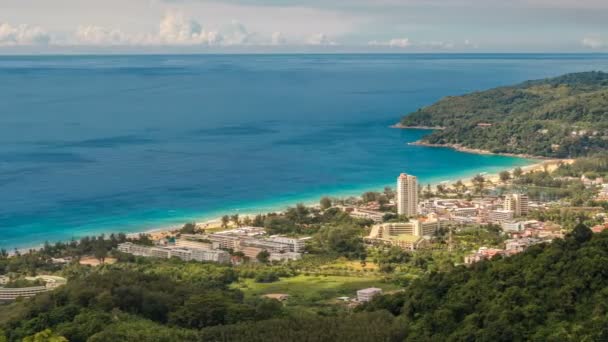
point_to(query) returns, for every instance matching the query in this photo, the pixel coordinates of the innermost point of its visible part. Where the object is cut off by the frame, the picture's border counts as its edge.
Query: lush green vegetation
(549, 293)
(554, 292)
(566, 116)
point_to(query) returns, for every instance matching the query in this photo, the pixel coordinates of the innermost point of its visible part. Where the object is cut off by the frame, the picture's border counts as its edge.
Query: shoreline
(214, 222)
(429, 128)
(460, 148)
(214, 219)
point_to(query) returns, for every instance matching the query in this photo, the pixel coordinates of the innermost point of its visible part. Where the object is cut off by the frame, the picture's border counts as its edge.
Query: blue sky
(298, 25)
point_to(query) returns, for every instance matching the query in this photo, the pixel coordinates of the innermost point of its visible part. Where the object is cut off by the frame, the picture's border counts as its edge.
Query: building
(420, 227)
(512, 226)
(224, 241)
(251, 252)
(218, 256)
(187, 243)
(405, 235)
(269, 245)
(180, 253)
(483, 253)
(51, 282)
(281, 297)
(295, 244)
(7, 294)
(183, 253)
(499, 216)
(376, 216)
(285, 256)
(366, 295)
(407, 195)
(160, 252)
(517, 203)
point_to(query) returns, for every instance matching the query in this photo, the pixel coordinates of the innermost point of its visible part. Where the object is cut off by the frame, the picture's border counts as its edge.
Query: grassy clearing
(314, 290)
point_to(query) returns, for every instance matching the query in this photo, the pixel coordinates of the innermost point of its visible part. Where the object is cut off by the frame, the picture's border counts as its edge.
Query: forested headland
(561, 117)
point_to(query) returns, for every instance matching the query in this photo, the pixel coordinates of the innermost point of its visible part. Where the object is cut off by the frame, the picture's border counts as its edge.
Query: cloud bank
(594, 42)
(23, 35)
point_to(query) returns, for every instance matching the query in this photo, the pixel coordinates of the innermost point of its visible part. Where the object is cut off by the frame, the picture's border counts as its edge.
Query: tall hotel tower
(407, 195)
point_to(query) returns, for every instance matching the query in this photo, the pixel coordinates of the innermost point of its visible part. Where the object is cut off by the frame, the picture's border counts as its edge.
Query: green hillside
(566, 116)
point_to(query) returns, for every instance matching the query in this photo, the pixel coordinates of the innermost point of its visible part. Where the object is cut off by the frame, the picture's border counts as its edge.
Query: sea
(129, 143)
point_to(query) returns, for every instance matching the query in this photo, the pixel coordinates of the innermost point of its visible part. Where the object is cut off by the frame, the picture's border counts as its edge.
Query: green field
(314, 290)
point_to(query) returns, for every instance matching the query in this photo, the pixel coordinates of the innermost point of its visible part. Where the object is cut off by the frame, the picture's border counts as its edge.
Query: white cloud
(176, 29)
(438, 45)
(277, 39)
(593, 42)
(97, 35)
(236, 34)
(320, 39)
(23, 35)
(395, 42)
(469, 44)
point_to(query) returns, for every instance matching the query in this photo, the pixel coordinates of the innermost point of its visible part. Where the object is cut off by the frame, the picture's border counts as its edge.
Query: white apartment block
(185, 243)
(407, 195)
(183, 253)
(219, 256)
(517, 203)
(500, 216)
(366, 295)
(285, 256)
(295, 244)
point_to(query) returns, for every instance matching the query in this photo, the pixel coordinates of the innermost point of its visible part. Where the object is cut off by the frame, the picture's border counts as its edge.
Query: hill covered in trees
(565, 116)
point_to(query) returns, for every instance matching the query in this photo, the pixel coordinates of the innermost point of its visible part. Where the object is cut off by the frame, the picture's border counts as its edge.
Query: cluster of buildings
(411, 235)
(215, 247)
(167, 252)
(512, 247)
(491, 209)
(10, 294)
(428, 216)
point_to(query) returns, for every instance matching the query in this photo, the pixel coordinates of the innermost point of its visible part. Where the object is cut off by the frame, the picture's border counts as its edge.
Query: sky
(40, 26)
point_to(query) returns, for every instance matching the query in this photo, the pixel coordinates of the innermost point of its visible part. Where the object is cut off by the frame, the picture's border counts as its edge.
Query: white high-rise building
(517, 203)
(407, 195)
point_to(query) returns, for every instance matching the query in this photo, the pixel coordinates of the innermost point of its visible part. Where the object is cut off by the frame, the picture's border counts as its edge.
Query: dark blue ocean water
(94, 144)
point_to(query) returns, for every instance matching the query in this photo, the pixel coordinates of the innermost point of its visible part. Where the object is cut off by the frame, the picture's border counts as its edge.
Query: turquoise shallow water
(93, 144)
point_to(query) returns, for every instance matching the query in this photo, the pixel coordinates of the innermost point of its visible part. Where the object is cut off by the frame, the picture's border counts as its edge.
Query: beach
(543, 165)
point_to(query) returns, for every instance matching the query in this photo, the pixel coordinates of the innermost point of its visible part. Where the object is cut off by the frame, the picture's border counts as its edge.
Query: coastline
(213, 221)
(540, 165)
(460, 148)
(430, 128)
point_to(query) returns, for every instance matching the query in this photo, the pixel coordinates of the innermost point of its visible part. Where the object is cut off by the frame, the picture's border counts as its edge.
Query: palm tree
(479, 183)
(225, 220)
(235, 218)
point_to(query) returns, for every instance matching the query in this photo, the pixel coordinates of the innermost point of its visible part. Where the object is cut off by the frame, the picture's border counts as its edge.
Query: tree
(518, 172)
(369, 196)
(459, 186)
(441, 188)
(188, 228)
(225, 221)
(263, 256)
(389, 193)
(247, 221)
(101, 253)
(236, 220)
(383, 200)
(581, 233)
(479, 183)
(343, 240)
(505, 176)
(45, 336)
(325, 203)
